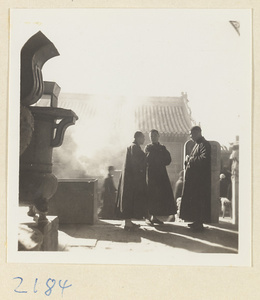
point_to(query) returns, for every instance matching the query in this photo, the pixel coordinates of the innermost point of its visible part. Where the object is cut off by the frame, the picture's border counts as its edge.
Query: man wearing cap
(196, 197)
(132, 186)
(160, 200)
(108, 196)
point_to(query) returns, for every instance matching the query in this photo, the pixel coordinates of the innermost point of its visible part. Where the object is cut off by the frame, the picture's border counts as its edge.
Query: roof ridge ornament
(185, 99)
(236, 25)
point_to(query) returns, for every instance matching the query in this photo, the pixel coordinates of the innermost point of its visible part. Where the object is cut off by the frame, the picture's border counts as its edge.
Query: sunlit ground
(109, 235)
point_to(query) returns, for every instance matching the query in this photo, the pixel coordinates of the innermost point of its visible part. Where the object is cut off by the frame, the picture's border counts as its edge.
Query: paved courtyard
(109, 236)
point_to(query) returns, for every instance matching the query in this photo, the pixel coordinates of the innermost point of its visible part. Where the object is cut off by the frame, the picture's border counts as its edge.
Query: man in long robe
(160, 200)
(196, 197)
(108, 196)
(132, 189)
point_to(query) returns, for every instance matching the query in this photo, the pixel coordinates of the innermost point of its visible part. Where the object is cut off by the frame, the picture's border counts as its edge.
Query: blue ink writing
(64, 286)
(34, 290)
(50, 283)
(53, 281)
(21, 280)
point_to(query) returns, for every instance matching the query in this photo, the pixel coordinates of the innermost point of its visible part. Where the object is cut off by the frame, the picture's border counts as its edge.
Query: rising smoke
(98, 139)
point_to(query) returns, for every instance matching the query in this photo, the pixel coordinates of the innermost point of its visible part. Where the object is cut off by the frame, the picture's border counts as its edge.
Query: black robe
(196, 197)
(132, 188)
(160, 200)
(109, 198)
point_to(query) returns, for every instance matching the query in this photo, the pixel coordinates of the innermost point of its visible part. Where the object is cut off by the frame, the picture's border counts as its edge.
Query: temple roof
(169, 115)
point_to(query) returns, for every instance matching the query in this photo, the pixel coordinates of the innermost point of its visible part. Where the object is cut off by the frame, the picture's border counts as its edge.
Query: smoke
(98, 139)
(65, 163)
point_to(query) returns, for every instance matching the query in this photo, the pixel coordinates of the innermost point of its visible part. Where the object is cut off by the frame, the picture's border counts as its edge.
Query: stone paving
(176, 237)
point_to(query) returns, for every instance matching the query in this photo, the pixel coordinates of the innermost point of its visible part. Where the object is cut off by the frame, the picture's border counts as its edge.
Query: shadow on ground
(216, 238)
(211, 240)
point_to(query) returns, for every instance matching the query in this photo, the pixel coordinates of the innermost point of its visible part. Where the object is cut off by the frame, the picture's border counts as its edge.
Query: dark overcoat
(160, 195)
(196, 197)
(109, 198)
(132, 188)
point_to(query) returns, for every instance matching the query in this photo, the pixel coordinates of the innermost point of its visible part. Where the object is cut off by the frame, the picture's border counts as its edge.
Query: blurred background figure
(108, 196)
(177, 196)
(225, 195)
(179, 186)
(223, 185)
(178, 192)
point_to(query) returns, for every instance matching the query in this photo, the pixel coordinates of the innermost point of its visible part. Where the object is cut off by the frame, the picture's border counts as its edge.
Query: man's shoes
(152, 221)
(156, 221)
(130, 228)
(136, 225)
(149, 222)
(197, 227)
(133, 227)
(171, 218)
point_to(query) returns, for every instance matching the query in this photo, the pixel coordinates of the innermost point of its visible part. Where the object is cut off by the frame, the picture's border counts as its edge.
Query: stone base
(29, 239)
(75, 201)
(37, 237)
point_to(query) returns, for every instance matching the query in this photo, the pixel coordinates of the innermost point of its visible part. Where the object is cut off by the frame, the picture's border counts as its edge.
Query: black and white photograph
(130, 136)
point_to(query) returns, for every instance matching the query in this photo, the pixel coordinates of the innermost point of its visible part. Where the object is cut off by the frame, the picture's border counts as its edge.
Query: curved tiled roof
(166, 119)
(169, 115)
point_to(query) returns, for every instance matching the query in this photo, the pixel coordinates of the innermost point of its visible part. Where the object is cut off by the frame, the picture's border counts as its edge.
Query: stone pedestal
(235, 180)
(215, 172)
(50, 234)
(29, 239)
(37, 237)
(75, 201)
(235, 197)
(42, 129)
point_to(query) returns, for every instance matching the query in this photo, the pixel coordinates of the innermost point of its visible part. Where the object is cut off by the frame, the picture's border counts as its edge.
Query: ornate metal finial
(35, 52)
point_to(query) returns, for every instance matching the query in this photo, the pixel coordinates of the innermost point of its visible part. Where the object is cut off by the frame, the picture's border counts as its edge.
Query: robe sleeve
(147, 151)
(138, 159)
(106, 184)
(202, 157)
(159, 156)
(166, 156)
(110, 186)
(104, 188)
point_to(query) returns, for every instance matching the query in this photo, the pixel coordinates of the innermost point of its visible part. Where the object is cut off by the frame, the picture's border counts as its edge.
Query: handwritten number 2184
(50, 283)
